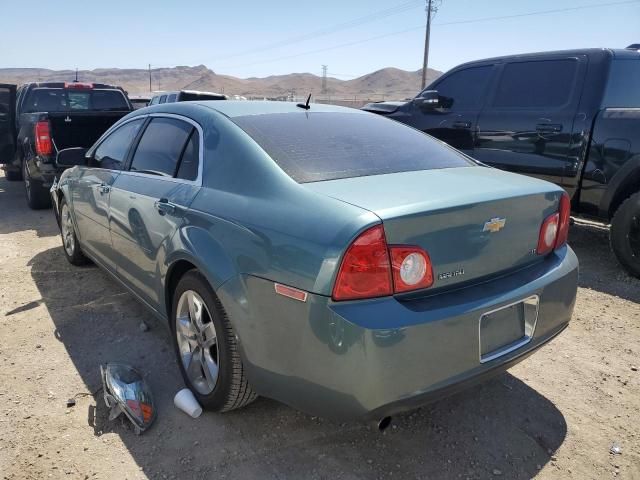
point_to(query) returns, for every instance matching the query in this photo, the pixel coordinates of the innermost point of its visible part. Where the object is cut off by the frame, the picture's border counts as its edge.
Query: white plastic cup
(185, 401)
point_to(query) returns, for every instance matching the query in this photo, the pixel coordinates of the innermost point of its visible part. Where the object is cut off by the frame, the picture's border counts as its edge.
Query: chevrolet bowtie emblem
(494, 225)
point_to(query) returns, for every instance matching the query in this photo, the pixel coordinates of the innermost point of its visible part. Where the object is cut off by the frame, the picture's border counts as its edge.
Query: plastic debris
(185, 401)
(71, 402)
(615, 449)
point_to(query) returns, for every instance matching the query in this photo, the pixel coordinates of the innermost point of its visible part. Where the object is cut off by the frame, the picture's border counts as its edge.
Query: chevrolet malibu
(334, 260)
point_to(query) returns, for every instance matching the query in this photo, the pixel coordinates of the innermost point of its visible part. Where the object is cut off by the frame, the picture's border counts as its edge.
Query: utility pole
(324, 79)
(150, 89)
(431, 8)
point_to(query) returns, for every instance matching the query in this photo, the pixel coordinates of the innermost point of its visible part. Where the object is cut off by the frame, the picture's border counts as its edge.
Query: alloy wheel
(197, 342)
(66, 226)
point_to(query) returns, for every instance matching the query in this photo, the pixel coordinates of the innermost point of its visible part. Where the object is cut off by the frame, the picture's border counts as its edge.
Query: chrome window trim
(197, 182)
(530, 329)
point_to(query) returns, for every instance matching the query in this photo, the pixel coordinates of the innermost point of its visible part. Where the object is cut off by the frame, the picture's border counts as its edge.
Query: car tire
(213, 371)
(13, 175)
(625, 234)
(70, 245)
(38, 197)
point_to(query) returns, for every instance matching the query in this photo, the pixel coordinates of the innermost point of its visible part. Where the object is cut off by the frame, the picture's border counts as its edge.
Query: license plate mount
(507, 328)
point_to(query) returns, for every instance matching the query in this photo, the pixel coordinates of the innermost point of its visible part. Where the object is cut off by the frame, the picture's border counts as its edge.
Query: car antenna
(306, 106)
(76, 80)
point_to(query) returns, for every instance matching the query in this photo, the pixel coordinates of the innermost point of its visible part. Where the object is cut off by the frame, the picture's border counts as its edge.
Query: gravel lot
(555, 415)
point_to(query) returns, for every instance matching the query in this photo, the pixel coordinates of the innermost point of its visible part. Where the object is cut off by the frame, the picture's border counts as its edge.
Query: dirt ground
(555, 415)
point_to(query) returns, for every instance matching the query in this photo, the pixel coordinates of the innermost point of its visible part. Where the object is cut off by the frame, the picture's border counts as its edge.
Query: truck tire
(625, 234)
(38, 197)
(13, 175)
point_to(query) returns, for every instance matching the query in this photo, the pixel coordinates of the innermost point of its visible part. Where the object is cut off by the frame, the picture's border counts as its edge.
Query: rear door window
(112, 152)
(190, 160)
(171, 98)
(464, 89)
(161, 146)
(623, 87)
(313, 147)
(536, 84)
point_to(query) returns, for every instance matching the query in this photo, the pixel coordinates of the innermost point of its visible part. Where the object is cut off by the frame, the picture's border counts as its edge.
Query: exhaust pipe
(384, 423)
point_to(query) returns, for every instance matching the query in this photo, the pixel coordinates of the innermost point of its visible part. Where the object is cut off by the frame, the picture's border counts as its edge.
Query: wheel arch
(624, 183)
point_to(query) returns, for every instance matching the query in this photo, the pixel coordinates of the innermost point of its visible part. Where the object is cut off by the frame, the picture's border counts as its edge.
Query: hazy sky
(281, 36)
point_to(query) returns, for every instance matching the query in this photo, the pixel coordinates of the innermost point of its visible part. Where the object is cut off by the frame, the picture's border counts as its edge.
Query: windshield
(312, 147)
(68, 100)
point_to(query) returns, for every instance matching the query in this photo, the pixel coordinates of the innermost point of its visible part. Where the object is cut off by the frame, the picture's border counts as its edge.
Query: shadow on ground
(502, 425)
(599, 268)
(13, 205)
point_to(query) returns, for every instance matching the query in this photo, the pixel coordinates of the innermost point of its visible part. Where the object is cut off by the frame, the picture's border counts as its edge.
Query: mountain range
(387, 83)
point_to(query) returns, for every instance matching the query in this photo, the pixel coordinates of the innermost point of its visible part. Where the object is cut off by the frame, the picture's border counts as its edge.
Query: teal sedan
(334, 260)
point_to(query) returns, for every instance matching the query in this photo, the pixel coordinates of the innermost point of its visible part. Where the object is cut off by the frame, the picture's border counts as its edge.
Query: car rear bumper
(369, 359)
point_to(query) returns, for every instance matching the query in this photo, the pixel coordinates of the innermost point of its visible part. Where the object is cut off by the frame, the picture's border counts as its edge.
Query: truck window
(623, 87)
(172, 98)
(163, 99)
(536, 84)
(63, 100)
(464, 89)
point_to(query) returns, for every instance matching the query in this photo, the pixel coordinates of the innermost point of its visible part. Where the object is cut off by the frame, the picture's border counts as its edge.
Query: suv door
(526, 126)
(148, 200)
(7, 123)
(92, 187)
(461, 95)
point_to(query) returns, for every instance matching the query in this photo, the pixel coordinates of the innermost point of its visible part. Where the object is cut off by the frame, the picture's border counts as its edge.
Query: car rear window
(69, 100)
(313, 147)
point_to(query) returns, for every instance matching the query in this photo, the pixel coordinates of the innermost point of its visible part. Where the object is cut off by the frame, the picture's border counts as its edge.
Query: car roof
(239, 108)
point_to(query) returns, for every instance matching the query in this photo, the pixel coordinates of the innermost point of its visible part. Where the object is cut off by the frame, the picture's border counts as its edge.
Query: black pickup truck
(569, 117)
(39, 119)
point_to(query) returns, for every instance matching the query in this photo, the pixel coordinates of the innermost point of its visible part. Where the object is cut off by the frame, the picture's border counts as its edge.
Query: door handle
(164, 206)
(549, 127)
(104, 188)
(460, 124)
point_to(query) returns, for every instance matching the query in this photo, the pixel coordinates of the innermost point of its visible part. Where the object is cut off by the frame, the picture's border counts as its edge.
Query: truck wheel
(625, 234)
(206, 346)
(13, 175)
(38, 197)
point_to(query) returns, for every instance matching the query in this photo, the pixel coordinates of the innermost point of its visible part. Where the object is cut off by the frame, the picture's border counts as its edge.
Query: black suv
(569, 117)
(39, 119)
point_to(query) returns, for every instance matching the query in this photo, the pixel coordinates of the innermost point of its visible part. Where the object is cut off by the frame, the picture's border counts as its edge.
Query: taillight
(79, 85)
(365, 271)
(44, 146)
(411, 269)
(564, 212)
(555, 228)
(370, 268)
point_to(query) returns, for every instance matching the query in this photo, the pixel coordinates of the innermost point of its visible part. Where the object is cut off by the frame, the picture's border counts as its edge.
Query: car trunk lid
(475, 222)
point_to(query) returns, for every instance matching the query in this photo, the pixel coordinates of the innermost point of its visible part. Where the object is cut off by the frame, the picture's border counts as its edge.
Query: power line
(419, 27)
(329, 30)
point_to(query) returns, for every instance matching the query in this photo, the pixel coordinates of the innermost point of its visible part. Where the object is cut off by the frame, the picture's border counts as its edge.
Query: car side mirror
(70, 157)
(428, 100)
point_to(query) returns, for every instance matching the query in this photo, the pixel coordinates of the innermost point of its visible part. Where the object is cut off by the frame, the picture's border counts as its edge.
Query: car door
(91, 190)
(7, 122)
(527, 124)
(461, 95)
(148, 200)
